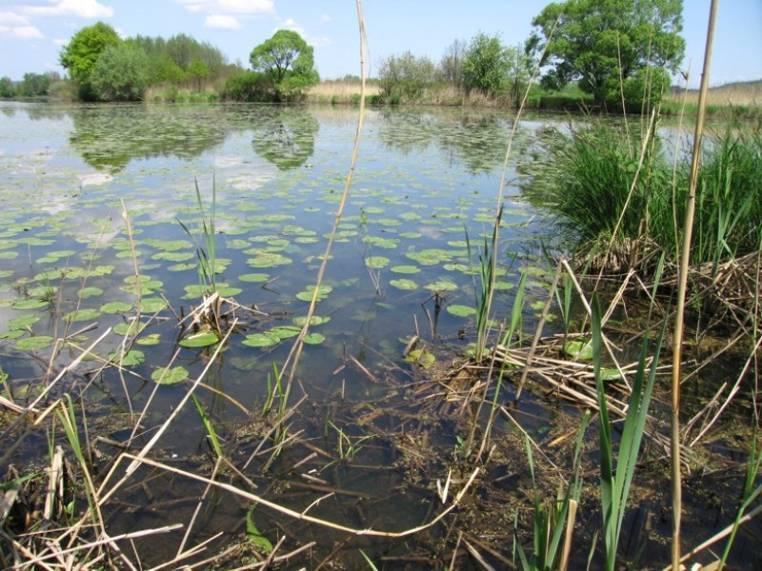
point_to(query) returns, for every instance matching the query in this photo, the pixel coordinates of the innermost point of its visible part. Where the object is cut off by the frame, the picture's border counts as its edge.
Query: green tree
(34, 85)
(120, 74)
(451, 64)
(199, 71)
(287, 61)
(585, 41)
(7, 89)
(406, 76)
(486, 65)
(80, 55)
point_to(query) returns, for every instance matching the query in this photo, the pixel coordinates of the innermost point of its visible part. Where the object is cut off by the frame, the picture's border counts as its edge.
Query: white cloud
(325, 18)
(21, 32)
(314, 41)
(12, 19)
(78, 8)
(60, 41)
(222, 7)
(222, 21)
(17, 26)
(290, 24)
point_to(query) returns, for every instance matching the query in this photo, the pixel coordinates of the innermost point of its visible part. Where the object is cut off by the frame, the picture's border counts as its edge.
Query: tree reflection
(108, 138)
(285, 136)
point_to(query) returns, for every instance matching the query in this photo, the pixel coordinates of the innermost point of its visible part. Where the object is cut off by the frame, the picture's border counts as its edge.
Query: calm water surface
(424, 182)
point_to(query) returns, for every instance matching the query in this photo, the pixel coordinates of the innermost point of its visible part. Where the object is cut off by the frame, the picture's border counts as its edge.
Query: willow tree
(287, 62)
(604, 43)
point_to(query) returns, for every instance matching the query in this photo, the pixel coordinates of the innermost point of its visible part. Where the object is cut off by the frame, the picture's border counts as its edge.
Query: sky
(33, 31)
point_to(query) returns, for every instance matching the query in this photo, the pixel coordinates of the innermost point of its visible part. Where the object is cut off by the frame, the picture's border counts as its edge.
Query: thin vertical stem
(677, 341)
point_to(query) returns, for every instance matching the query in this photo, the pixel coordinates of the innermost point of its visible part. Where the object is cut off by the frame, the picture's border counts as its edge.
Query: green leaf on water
(169, 376)
(152, 305)
(34, 343)
(23, 322)
(403, 284)
(307, 293)
(113, 307)
(314, 339)
(261, 340)
(461, 310)
(316, 320)
(285, 331)
(200, 339)
(405, 269)
(82, 315)
(422, 357)
(254, 278)
(582, 350)
(92, 291)
(133, 358)
(30, 303)
(149, 340)
(376, 262)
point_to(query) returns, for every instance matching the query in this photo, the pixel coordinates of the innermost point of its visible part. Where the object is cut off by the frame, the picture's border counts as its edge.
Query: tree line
(615, 51)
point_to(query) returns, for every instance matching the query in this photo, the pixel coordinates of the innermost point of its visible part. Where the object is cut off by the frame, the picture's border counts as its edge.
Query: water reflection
(476, 140)
(286, 137)
(108, 138)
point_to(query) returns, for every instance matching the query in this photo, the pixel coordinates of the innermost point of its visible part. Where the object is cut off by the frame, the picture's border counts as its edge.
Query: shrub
(120, 74)
(247, 86)
(406, 76)
(486, 65)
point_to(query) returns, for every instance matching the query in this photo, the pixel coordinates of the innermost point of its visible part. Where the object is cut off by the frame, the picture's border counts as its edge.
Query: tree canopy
(287, 61)
(80, 55)
(594, 41)
(120, 74)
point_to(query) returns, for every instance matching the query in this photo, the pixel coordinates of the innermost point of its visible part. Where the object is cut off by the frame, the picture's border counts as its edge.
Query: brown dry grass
(340, 89)
(743, 94)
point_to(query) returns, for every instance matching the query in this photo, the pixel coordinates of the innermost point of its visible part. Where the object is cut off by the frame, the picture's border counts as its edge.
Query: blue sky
(33, 31)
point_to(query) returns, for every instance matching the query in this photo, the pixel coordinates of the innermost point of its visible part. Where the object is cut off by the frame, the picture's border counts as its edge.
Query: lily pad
(404, 284)
(376, 262)
(314, 339)
(582, 350)
(23, 322)
(461, 310)
(405, 269)
(133, 358)
(88, 292)
(254, 278)
(422, 357)
(34, 343)
(149, 340)
(169, 376)
(113, 307)
(200, 339)
(261, 340)
(30, 303)
(83, 315)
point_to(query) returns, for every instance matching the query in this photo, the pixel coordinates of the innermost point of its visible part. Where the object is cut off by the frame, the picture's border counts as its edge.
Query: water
(424, 182)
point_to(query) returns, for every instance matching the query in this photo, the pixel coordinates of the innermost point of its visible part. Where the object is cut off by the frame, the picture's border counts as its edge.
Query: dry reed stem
(292, 360)
(301, 516)
(677, 344)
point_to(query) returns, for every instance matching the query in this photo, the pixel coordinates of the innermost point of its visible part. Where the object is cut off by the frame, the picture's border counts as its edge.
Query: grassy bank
(609, 190)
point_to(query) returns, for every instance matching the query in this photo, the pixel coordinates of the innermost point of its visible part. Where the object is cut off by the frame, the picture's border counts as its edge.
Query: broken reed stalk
(303, 516)
(501, 187)
(292, 359)
(677, 340)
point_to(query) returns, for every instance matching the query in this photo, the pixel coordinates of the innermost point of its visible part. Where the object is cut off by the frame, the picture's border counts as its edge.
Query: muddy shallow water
(405, 261)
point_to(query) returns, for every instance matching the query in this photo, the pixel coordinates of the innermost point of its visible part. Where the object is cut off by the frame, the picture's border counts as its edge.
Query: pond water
(405, 263)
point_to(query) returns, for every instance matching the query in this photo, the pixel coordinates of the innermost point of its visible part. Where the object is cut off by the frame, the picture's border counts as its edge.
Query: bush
(406, 76)
(486, 65)
(584, 181)
(247, 86)
(7, 89)
(120, 74)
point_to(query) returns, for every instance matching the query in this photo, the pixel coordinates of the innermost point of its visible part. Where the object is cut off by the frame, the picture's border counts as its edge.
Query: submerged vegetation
(337, 349)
